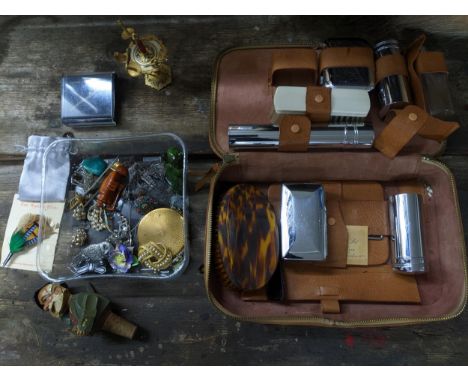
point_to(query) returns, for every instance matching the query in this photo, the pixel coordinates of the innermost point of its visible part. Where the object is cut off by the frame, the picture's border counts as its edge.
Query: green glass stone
(174, 178)
(135, 261)
(174, 156)
(94, 165)
(174, 160)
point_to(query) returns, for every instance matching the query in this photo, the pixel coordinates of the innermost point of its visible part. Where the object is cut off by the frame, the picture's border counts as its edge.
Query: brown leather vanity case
(357, 184)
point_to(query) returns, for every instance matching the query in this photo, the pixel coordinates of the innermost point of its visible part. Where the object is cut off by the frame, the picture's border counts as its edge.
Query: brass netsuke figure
(145, 55)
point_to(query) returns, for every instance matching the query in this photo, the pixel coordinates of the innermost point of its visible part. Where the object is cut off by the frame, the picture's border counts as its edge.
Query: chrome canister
(393, 91)
(407, 238)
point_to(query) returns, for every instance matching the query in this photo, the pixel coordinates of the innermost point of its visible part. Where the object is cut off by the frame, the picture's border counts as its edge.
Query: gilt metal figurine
(145, 55)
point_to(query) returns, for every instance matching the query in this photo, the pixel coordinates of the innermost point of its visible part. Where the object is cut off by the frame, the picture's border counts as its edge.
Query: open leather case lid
(244, 94)
(241, 94)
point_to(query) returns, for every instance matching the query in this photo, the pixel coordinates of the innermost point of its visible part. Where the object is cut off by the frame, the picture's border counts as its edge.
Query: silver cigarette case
(303, 222)
(88, 100)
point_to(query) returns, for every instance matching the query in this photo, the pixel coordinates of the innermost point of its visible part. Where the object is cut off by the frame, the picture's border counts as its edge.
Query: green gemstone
(174, 178)
(135, 261)
(94, 165)
(174, 156)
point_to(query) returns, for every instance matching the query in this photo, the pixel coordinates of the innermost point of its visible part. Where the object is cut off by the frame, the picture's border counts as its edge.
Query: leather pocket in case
(294, 67)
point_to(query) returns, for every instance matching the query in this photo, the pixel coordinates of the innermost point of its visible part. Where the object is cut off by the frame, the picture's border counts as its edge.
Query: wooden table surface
(180, 326)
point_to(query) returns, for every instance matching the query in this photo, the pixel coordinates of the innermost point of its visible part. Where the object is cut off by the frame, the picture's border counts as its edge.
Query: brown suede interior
(442, 289)
(243, 96)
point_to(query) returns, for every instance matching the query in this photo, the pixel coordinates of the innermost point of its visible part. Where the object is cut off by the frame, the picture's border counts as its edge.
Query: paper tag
(357, 245)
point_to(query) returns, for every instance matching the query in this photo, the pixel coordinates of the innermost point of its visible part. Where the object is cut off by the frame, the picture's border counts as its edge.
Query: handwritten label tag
(357, 245)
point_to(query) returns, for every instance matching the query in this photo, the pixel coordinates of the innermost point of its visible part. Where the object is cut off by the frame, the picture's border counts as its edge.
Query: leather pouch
(404, 125)
(332, 286)
(357, 187)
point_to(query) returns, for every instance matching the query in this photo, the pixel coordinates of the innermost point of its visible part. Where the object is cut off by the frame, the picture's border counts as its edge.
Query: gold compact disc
(165, 226)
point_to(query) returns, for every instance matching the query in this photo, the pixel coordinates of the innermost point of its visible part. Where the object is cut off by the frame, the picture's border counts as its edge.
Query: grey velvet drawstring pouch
(58, 169)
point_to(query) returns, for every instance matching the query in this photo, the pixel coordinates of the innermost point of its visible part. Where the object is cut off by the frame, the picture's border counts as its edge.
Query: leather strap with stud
(408, 122)
(294, 133)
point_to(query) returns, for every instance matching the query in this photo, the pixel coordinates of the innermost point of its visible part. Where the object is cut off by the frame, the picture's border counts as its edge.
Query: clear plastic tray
(141, 147)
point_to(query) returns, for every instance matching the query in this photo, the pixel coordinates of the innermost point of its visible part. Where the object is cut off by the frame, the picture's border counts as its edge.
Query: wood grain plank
(36, 51)
(178, 331)
(180, 325)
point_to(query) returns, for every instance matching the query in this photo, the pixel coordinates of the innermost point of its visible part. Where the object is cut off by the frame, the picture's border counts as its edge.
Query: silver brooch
(91, 259)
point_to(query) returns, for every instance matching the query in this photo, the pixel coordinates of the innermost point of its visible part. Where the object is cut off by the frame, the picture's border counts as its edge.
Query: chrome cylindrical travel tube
(407, 237)
(393, 91)
(249, 137)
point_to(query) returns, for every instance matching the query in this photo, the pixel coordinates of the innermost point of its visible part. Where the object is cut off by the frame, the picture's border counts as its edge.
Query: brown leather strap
(431, 62)
(392, 64)
(411, 56)
(337, 237)
(339, 57)
(294, 67)
(318, 103)
(329, 302)
(330, 306)
(408, 122)
(206, 179)
(437, 129)
(404, 126)
(294, 133)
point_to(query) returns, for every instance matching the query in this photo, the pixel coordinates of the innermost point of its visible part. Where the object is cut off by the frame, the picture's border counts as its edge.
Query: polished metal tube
(393, 91)
(245, 137)
(407, 238)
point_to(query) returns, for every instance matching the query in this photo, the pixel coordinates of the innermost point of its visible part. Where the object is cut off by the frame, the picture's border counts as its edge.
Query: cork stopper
(118, 325)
